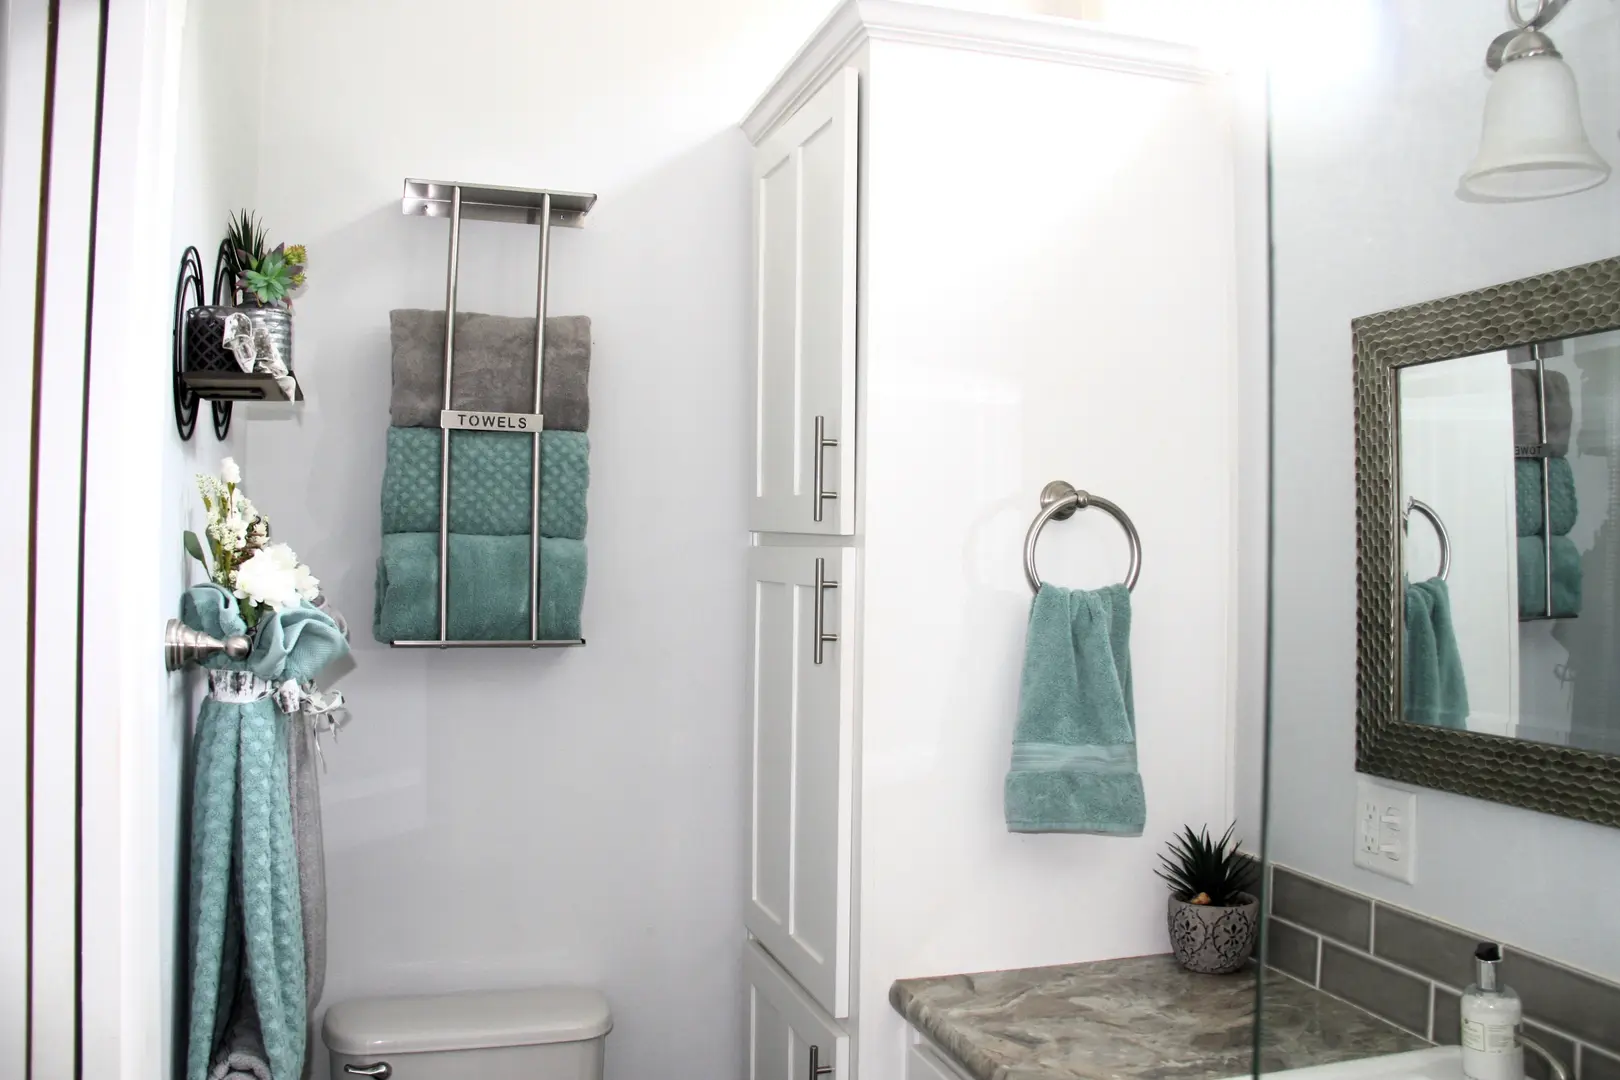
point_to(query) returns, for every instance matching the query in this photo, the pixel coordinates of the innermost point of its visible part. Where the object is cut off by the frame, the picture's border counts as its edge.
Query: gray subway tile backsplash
(1598, 1066)
(1447, 1028)
(1429, 948)
(1410, 968)
(1292, 950)
(1569, 1000)
(1323, 908)
(1382, 990)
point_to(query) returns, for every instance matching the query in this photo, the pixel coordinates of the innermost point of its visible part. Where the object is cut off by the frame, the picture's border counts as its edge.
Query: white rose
(229, 471)
(270, 576)
(308, 585)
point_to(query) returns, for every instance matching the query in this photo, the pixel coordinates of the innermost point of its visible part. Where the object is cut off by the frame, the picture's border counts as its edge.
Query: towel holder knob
(1059, 501)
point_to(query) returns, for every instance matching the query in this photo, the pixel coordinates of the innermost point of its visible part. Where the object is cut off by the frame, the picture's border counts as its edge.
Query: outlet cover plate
(1386, 830)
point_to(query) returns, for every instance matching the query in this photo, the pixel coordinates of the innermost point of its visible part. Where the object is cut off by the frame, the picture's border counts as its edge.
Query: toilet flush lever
(382, 1070)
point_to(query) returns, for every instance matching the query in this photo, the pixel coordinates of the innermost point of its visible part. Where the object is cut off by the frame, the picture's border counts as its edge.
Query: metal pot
(205, 335)
(1214, 940)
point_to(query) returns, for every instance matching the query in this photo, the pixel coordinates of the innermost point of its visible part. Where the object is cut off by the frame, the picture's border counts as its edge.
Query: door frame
(88, 150)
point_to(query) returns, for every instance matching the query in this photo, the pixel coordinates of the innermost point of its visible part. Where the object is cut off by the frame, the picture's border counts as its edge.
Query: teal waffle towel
(1566, 577)
(247, 962)
(1074, 749)
(490, 488)
(1560, 496)
(1432, 683)
(488, 595)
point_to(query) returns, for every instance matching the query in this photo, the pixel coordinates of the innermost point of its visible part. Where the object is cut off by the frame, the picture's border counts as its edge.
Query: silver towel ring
(1059, 500)
(1439, 530)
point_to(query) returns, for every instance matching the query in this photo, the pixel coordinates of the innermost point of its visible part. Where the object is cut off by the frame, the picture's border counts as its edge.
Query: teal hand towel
(246, 924)
(1074, 748)
(490, 488)
(1566, 577)
(489, 599)
(1433, 688)
(1560, 496)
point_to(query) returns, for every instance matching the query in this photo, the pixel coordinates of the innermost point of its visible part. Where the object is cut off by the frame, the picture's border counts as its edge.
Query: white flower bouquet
(264, 577)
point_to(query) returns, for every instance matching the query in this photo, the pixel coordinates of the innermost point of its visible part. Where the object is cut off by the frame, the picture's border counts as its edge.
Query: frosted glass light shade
(1534, 145)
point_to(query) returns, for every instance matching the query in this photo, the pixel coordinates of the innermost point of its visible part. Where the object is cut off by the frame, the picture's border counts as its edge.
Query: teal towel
(490, 488)
(1560, 498)
(1074, 749)
(245, 905)
(488, 597)
(1566, 575)
(1433, 688)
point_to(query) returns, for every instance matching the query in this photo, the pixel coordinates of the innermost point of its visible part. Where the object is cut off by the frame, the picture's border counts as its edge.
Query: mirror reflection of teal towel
(1566, 577)
(1433, 687)
(1560, 498)
(489, 482)
(1074, 748)
(489, 599)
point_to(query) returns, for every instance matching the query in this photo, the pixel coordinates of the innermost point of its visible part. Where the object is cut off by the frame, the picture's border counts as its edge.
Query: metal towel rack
(530, 206)
(1059, 501)
(1439, 531)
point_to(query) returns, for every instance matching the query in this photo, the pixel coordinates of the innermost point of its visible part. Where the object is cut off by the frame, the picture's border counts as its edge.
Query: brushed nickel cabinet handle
(819, 630)
(816, 1067)
(819, 469)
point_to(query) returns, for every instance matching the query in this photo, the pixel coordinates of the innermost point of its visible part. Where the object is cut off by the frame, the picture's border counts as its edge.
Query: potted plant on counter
(1214, 917)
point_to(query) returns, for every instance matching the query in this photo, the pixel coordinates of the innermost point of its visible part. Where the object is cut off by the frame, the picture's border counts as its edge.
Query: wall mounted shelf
(487, 202)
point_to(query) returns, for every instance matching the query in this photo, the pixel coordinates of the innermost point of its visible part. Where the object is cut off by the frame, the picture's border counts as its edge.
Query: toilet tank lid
(468, 1021)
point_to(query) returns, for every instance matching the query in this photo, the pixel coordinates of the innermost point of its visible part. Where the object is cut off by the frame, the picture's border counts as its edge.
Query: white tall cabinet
(989, 252)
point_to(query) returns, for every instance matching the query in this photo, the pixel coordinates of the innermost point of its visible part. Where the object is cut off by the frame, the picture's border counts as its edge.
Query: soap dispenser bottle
(1492, 1022)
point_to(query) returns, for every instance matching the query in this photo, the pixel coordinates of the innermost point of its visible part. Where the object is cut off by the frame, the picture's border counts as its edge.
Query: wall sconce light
(1533, 145)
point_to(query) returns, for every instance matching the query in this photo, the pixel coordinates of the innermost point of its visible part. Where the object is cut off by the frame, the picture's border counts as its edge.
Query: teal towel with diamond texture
(245, 904)
(490, 486)
(1074, 747)
(1561, 497)
(489, 598)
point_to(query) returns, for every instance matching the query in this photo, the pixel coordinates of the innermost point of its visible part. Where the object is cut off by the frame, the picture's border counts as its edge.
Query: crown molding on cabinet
(1032, 37)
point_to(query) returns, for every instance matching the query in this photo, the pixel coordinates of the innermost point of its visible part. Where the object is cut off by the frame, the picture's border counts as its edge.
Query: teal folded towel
(1432, 683)
(489, 600)
(490, 474)
(1566, 577)
(1560, 496)
(1074, 748)
(247, 958)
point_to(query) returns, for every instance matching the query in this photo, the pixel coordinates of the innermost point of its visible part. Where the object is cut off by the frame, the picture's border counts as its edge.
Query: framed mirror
(1488, 543)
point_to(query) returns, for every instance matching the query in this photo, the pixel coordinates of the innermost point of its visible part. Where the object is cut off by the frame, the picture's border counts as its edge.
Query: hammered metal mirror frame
(1553, 779)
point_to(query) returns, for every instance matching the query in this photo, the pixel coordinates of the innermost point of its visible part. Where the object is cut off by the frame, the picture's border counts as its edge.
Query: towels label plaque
(491, 421)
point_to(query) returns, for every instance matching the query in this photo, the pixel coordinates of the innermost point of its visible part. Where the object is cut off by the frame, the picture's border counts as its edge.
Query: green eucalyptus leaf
(194, 548)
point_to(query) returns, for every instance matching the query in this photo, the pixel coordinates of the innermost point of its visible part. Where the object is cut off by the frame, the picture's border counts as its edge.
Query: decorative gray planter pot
(1214, 940)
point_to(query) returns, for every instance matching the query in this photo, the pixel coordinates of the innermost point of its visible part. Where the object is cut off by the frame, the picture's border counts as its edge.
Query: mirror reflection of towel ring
(1439, 531)
(1060, 500)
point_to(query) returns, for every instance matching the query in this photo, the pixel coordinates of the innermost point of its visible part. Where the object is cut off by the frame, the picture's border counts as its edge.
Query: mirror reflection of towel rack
(1439, 531)
(1060, 500)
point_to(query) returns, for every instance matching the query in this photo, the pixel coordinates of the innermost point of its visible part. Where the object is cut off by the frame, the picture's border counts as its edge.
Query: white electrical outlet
(1386, 830)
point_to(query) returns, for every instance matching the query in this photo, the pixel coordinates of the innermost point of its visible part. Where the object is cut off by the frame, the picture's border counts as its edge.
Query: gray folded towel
(1526, 409)
(494, 367)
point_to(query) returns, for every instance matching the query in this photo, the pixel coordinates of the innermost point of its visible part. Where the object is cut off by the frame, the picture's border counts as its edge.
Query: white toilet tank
(556, 1033)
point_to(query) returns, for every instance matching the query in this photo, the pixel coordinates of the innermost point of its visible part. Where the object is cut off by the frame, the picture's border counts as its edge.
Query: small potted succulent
(260, 282)
(1214, 917)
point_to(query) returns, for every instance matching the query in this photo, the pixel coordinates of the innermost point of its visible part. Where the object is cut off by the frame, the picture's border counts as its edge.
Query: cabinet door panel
(802, 783)
(786, 1028)
(805, 194)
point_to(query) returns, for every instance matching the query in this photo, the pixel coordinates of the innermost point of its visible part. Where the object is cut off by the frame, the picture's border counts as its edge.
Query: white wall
(1001, 356)
(503, 818)
(1376, 108)
(215, 78)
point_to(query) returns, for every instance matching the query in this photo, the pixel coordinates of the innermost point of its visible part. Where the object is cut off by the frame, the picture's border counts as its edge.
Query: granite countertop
(1141, 1017)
